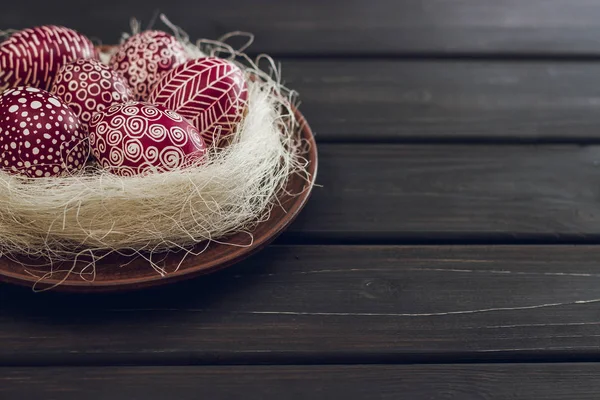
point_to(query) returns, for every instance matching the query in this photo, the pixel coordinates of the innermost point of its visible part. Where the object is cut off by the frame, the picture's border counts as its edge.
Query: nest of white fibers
(95, 213)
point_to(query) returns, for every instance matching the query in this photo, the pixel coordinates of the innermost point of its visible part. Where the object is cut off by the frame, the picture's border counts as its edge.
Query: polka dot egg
(39, 135)
(88, 86)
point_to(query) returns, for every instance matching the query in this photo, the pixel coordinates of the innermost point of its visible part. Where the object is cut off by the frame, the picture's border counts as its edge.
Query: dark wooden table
(452, 252)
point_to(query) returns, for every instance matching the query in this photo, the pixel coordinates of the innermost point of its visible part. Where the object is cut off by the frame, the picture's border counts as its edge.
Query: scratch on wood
(533, 325)
(433, 314)
(461, 270)
(506, 272)
(538, 349)
(353, 314)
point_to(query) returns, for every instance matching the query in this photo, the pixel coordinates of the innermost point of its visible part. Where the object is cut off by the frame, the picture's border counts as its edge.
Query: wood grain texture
(434, 382)
(328, 304)
(400, 100)
(411, 193)
(346, 27)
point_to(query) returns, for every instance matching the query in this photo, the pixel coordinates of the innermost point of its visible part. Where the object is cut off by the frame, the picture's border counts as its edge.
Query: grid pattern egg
(145, 58)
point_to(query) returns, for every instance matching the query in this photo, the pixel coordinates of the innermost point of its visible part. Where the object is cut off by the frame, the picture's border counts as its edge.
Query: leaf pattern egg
(210, 92)
(88, 86)
(144, 58)
(39, 134)
(32, 57)
(138, 138)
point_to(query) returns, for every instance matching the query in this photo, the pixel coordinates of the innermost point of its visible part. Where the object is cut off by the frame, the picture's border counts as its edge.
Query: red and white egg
(32, 57)
(145, 58)
(210, 92)
(88, 86)
(39, 135)
(140, 138)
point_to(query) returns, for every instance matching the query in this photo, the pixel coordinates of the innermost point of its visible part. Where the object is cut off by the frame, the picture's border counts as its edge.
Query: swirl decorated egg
(88, 86)
(32, 57)
(39, 135)
(210, 92)
(139, 138)
(144, 58)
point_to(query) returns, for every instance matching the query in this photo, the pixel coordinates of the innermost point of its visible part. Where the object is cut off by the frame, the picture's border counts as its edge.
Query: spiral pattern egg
(39, 135)
(139, 138)
(88, 86)
(32, 57)
(210, 92)
(145, 58)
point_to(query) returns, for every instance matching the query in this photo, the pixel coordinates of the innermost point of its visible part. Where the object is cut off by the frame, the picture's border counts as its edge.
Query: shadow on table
(202, 294)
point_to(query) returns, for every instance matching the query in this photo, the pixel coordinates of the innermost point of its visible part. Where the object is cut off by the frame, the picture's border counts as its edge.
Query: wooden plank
(504, 381)
(347, 27)
(328, 304)
(407, 193)
(399, 100)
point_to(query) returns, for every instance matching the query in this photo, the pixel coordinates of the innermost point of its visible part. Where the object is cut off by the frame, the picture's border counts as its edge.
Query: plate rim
(236, 255)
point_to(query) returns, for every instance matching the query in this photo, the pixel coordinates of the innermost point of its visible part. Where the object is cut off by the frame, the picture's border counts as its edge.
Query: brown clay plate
(118, 273)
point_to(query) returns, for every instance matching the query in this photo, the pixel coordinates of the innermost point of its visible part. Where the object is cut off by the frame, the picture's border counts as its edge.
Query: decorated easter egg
(32, 57)
(88, 86)
(139, 138)
(144, 58)
(210, 92)
(39, 134)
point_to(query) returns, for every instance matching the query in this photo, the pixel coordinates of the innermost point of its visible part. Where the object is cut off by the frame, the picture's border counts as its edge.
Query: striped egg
(32, 57)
